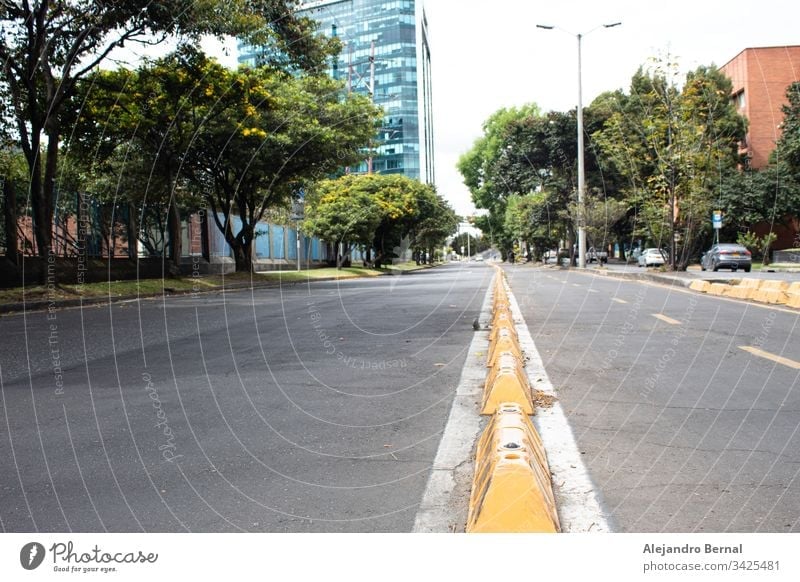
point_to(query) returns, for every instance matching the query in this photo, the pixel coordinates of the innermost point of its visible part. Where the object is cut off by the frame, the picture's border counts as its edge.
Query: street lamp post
(581, 166)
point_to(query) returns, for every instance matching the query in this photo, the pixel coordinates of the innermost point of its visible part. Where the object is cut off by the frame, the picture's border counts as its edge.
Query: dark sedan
(726, 256)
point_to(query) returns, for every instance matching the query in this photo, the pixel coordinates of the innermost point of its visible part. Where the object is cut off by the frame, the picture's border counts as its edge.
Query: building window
(739, 99)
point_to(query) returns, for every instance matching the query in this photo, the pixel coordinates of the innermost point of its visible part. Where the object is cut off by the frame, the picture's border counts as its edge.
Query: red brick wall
(764, 74)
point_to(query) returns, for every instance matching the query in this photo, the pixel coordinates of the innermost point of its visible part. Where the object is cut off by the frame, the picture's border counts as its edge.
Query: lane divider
(512, 490)
(770, 292)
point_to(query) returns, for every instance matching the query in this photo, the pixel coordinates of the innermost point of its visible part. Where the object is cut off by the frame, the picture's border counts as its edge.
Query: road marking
(579, 507)
(773, 357)
(444, 504)
(619, 301)
(575, 285)
(593, 291)
(666, 319)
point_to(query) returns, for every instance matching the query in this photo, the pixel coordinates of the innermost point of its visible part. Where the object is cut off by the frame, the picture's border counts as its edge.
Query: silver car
(726, 256)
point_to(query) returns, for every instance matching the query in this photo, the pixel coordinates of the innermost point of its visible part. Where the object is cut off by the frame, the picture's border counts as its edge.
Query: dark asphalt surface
(302, 409)
(682, 431)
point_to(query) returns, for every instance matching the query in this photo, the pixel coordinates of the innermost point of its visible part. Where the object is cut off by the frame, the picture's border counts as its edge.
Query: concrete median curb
(512, 490)
(770, 292)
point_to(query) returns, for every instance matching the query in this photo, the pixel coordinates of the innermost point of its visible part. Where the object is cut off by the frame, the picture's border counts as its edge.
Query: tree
(239, 142)
(342, 212)
(673, 146)
(14, 184)
(529, 218)
(437, 221)
(383, 212)
(47, 46)
(268, 137)
(486, 182)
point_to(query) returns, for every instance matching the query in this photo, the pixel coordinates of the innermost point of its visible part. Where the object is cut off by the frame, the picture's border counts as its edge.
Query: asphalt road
(308, 408)
(681, 430)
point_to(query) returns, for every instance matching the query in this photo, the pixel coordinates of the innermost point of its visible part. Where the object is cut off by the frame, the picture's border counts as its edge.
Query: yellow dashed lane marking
(773, 357)
(666, 319)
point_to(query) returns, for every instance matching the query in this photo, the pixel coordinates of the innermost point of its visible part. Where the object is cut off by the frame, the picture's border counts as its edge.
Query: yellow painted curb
(773, 285)
(503, 321)
(738, 292)
(718, 289)
(770, 296)
(511, 491)
(750, 283)
(506, 341)
(507, 382)
(794, 300)
(701, 286)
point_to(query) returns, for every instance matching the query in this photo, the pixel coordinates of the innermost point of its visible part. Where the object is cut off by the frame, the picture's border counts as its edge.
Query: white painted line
(445, 503)
(593, 291)
(617, 300)
(577, 500)
(773, 357)
(666, 319)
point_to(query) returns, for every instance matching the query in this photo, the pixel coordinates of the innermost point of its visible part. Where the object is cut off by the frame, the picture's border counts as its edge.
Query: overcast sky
(489, 54)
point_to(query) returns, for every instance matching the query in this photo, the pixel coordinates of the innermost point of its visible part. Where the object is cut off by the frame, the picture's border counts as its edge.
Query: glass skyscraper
(402, 74)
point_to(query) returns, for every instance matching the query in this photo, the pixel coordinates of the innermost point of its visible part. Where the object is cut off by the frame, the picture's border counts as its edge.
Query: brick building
(760, 77)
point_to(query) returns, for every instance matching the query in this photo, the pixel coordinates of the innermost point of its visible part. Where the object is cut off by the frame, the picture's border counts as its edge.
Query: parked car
(726, 256)
(651, 258)
(593, 255)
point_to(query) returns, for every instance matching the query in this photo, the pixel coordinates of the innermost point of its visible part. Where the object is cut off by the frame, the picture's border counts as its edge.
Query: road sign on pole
(716, 219)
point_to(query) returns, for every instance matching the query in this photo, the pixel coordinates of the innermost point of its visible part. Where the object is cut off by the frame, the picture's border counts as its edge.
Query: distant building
(760, 77)
(402, 74)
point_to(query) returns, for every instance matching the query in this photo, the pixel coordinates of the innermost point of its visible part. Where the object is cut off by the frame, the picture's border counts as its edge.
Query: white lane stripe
(579, 508)
(622, 301)
(445, 502)
(666, 319)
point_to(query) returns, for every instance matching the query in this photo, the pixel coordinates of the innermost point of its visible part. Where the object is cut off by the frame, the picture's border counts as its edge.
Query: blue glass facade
(402, 76)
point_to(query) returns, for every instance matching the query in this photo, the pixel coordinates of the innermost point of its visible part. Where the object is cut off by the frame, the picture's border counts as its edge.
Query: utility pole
(581, 167)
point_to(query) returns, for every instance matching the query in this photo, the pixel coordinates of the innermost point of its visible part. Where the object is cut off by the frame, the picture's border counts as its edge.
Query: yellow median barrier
(502, 321)
(738, 292)
(507, 382)
(743, 289)
(512, 490)
(701, 286)
(772, 292)
(506, 341)
(794, 295)
(718, 289)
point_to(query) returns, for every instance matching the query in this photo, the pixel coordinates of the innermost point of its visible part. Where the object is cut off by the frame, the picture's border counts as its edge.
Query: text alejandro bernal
(663, 549)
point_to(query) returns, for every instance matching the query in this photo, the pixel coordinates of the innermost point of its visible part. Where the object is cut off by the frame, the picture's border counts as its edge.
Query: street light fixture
(581, 167)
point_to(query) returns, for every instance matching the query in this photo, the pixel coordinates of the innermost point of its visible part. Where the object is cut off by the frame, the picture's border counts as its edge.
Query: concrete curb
(512, 489)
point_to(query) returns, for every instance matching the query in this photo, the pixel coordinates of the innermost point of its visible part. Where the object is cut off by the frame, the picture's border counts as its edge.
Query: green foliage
(757, 245)
(236, 142)
(47, 47)
(787, 152)
(479, 167)
(672, 147)
(384, 212)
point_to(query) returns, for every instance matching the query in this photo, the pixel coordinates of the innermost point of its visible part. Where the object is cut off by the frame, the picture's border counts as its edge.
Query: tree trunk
(133, 233)
(10, 220)
(175, 239)
(241, 255)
